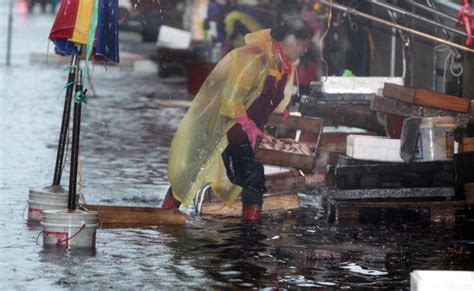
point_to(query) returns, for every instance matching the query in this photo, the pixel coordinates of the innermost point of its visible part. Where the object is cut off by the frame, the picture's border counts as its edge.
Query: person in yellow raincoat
(215, 140)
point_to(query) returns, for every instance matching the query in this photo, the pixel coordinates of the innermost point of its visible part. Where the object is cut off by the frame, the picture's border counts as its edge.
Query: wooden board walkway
(124, 216)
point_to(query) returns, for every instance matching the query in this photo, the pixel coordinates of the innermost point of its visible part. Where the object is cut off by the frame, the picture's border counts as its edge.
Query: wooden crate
(399, 212)
(124, 216)
(281, 195)
(427, 98)
(467, 144)
(395, 175)
(311, 128)
(271, 203)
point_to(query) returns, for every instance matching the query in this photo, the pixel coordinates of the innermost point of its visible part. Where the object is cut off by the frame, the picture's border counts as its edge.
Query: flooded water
(124, 145)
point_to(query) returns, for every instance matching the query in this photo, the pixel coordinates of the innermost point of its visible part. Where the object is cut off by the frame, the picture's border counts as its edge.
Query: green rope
(80, 97)
(90, 40)
(65, 87)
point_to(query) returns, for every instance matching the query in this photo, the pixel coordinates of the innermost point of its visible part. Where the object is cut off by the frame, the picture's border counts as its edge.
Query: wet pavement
(124, 147)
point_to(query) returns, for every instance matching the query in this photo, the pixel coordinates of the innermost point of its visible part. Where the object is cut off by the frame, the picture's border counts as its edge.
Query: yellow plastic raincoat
(237, 80)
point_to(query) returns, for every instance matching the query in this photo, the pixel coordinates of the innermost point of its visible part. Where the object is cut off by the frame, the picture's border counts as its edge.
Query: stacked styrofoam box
(357, 85)
(441, 280)
(374, 148)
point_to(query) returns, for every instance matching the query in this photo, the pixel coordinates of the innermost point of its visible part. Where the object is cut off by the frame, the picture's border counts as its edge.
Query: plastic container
(436, 139)
(49, 198)
(196, 74)
(441, 280)
(69, 228)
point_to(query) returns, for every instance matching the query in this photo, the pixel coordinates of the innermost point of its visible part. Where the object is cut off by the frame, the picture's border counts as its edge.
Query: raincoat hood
(260, 37)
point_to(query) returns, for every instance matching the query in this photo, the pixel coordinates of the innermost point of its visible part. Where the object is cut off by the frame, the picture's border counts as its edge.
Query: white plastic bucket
(69, 228)
(436, 139)
(49, 198)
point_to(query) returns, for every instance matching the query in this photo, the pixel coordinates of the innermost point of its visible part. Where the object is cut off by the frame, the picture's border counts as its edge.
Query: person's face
(294, 48)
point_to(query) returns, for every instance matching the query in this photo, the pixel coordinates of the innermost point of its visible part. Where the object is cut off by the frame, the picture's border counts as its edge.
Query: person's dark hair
(292, 26)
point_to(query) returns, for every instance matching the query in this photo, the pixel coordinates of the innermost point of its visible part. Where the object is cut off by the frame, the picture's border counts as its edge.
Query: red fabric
(63, 26)
(251, 212)
(307, 72)
(464, 15)
(285, 61)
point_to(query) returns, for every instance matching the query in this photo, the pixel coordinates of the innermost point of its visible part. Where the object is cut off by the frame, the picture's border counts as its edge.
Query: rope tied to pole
(81, 97)
(67, 85)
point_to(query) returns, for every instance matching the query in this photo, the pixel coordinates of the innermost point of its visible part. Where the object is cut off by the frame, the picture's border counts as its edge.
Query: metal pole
(58, 170)
(406, 13)
(9, 32)
(433, 11)
(76, 128)
(383, 21)
(393, 43)
(456, 53)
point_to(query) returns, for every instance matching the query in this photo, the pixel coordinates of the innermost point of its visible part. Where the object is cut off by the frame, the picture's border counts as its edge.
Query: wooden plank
(336, 114)
(333, 142)
(442, 101)
(392, 106)
(469, 192)
(271, 203)
(434, 211)
(284, 159)
(390, 193)
(454, 203)
(296, 122)
(124, 215)
(426, 98)
(398, 92)
(315, 180)
(468, 144)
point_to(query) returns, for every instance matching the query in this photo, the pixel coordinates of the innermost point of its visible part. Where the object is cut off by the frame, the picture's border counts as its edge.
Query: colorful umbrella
(87, 23)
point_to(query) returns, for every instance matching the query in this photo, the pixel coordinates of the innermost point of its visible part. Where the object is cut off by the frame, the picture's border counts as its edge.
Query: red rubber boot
(251, 213)
(170, 202)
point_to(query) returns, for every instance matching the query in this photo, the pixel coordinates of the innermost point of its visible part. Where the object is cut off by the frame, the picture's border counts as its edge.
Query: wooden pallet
(395, 175)
(271, 203)
(281, 195)
(390, 212)
(124, 216)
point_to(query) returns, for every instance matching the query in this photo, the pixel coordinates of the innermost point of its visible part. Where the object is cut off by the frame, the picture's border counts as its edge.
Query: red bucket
(196, 74)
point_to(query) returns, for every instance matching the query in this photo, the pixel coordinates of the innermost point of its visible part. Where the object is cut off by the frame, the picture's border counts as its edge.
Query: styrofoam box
(374, 148)
(357, 85)
(441, 280)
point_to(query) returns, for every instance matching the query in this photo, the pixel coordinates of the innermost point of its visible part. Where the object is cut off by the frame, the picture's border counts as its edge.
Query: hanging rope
(322, 39)
(455, 68)
(90, 41)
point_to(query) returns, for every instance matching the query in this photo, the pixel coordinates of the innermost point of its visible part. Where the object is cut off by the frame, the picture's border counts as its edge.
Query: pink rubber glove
(252, 131)
(286, 115)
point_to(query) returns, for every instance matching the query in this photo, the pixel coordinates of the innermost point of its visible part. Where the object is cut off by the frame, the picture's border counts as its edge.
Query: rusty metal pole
(76, 128)
(58, 170)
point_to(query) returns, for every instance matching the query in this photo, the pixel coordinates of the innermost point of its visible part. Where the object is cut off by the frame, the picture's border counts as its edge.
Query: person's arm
(244, 71)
